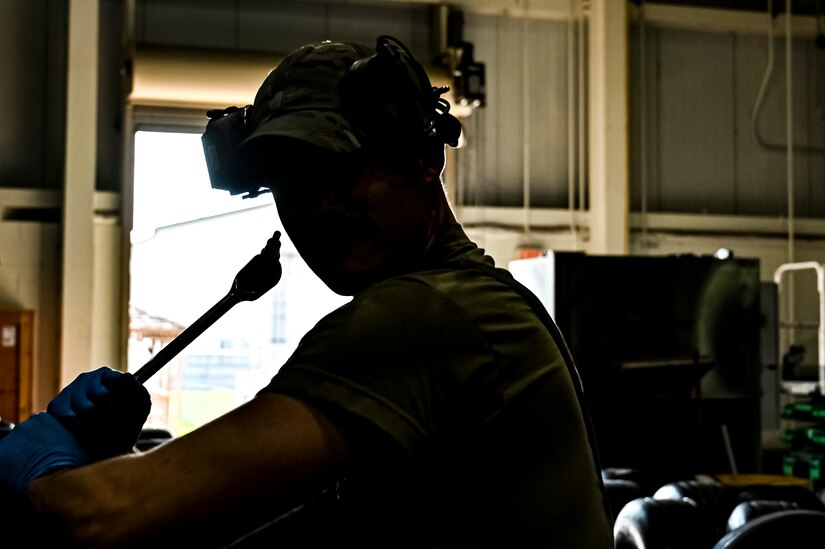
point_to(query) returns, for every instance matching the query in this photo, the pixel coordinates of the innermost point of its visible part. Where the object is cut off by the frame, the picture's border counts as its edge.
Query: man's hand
(105, 409)
(36, 447)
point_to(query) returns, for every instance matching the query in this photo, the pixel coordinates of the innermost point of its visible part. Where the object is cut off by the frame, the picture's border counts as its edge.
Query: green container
(816, 435)
(804, 411)
(800, 437)
(806, 465)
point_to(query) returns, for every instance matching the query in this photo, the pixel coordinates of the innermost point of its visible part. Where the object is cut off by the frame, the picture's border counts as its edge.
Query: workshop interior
(654, 171)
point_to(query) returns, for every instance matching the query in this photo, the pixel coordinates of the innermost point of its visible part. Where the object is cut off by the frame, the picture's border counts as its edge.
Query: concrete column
(608, 126)
(79, 187)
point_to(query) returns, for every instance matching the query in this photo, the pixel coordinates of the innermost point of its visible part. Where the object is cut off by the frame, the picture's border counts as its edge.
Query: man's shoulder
(428, 290)
(442, 296)
(437, 291)
(447, 279)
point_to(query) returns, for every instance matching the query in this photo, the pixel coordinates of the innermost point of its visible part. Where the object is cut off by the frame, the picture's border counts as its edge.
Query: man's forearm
(82, 506)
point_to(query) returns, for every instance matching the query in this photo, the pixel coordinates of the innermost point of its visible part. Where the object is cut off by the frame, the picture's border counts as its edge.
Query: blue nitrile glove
(105, 409)
(36, 447)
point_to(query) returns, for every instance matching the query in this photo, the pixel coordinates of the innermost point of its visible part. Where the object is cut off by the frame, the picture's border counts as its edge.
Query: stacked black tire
(695, 514)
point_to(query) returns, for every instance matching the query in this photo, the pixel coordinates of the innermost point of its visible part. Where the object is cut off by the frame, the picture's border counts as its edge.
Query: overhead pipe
(757, 108)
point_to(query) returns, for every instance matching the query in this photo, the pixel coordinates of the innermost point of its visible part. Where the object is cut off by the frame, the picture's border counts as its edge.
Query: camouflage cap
(299, 98)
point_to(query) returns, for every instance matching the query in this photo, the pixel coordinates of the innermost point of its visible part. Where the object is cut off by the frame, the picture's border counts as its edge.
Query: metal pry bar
(256, 278)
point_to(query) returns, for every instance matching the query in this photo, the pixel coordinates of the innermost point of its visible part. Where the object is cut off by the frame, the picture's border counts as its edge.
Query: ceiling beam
(539, 9)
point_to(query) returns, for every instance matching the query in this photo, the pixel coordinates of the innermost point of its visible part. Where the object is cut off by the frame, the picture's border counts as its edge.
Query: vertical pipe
(525, 114)
(789, 125)
(581, 100)
(571, 122)
(643, 126)
(790, 156)
(820, 286)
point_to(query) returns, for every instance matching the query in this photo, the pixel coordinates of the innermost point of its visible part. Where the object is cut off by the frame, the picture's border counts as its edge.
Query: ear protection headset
(226, 130)
(386, 97)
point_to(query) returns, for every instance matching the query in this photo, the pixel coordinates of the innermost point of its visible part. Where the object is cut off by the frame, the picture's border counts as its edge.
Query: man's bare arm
(210, 485)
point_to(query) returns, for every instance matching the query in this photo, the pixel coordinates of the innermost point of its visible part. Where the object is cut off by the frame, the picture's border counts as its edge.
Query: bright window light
(188, 243)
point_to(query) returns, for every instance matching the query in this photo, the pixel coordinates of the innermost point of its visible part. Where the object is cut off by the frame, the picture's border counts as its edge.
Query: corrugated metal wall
(32, 93)
(526, 64)
(276, 26)
(699, 93)
(699, 89)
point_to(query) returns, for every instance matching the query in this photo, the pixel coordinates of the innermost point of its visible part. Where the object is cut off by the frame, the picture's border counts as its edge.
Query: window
(188, 243)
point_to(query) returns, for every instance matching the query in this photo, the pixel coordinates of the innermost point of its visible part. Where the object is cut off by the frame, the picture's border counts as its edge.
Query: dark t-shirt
(459, 410)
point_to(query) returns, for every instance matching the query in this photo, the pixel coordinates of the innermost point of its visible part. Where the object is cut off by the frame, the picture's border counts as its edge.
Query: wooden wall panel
(16, 348)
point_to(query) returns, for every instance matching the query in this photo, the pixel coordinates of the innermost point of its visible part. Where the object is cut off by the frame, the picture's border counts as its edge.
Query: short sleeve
(402, 356)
